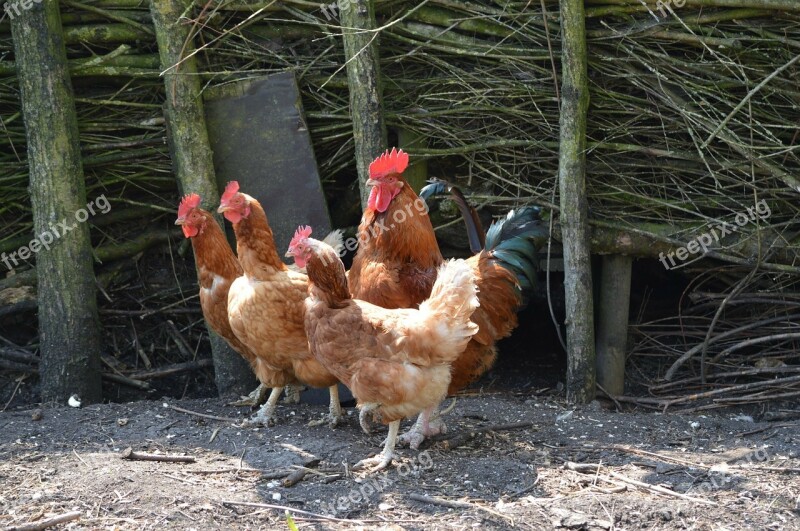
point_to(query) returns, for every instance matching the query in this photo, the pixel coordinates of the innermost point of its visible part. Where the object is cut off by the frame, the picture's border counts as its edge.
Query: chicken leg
(335, 414)
(363, 419)
(383, 459)
(291, 394)
(255, 398)
(266, 415)
(428, 424)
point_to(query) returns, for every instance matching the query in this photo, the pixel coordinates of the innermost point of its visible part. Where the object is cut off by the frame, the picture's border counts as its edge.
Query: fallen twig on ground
(203, 415)
(129, 454)
(47, 522)
(591, 468)
(291, 510)
(457, 505)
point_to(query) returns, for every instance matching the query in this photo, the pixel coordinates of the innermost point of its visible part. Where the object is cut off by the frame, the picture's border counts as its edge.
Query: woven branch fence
(693, 123)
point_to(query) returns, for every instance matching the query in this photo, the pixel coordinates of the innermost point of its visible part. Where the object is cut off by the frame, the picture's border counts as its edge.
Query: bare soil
(731, 472)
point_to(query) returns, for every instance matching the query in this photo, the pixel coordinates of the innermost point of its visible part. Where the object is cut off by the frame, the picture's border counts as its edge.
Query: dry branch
(588, 468)
(171, 370)
(130, 455)
(202, 415)
(47, 522)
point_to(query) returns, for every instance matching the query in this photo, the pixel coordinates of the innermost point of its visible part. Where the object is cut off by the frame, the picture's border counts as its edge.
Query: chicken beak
(222, 209)
(372, 182)
(289, 254)
(180, 221)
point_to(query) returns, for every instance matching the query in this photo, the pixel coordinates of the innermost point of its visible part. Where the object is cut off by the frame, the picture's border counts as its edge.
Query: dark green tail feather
(514, 242)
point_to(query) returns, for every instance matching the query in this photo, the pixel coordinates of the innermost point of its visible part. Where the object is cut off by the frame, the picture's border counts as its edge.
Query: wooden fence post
(363, 77)
(612, 325)
(574, 206)
(69, 327)
(191, 155)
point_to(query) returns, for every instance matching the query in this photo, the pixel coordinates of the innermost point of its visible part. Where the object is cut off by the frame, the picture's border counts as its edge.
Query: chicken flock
(402, 329)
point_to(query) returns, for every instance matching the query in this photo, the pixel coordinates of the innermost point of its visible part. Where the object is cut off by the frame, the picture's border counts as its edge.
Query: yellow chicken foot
(292, 394)
(335, 414)
(428, 424)
(266, 415)
(383, 459)
(255, 398)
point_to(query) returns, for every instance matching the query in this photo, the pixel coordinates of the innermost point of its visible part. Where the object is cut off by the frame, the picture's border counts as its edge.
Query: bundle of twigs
(693, 116)
(730, 345)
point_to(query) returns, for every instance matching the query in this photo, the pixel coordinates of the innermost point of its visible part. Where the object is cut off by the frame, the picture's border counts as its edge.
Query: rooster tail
(468, 212)
(513, 242)
(453, 300)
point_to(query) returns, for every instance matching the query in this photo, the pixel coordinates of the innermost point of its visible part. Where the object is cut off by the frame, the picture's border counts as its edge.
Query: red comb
(187, 203)
(230, 191)
(302, 232)
(390, 162)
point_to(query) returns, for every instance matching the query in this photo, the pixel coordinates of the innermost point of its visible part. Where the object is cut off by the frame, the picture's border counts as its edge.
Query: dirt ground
(716, 471)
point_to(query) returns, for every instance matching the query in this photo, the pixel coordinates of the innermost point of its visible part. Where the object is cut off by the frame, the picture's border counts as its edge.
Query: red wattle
(189, 231)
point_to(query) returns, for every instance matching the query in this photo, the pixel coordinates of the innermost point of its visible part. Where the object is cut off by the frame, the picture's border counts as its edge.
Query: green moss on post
(69, 327)
(574, 206)
(363, 76)
(191, 155)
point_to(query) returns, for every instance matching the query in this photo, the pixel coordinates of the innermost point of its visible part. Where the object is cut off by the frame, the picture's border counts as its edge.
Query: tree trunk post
(363, 77)
(574, 206)
(191, 156)
(69, 326)
(612, 326)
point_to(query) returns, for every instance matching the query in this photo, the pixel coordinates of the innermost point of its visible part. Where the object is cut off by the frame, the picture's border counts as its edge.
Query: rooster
(265, 308)
(396, 362)
(396, 269)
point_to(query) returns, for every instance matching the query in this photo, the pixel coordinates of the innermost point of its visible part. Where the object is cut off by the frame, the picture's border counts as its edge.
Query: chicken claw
(383, 459)
(366, 409)
(335, 415)
(255, 398)
(429, 423)
(292, 394)
(266, 415)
